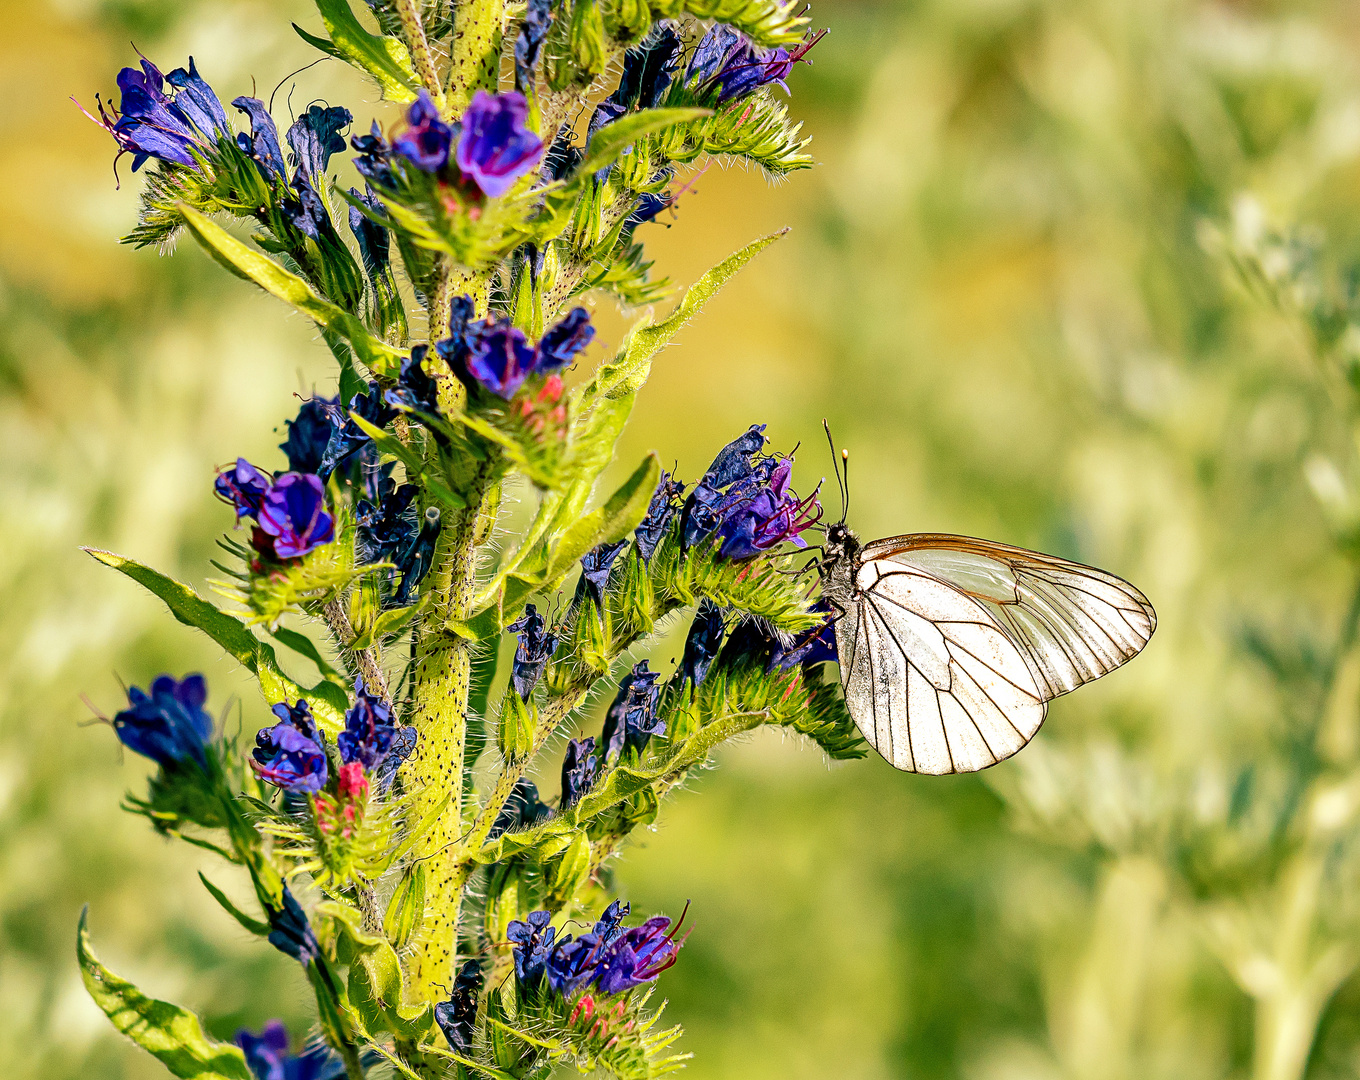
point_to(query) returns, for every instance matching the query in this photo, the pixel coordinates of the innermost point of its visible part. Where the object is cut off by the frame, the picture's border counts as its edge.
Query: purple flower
(631, 720)
(457, 1017)
(290, 932)
(369, 729)
(727, 64)
(572, 965)
(267, 1056)
(426, 140)
(289, 755)
(522, 810)
(167, 725)
(752, 642)
(558, 347)
(244, 486)
(704, 640)
(736, 460)
(496, 148)
(309, 434)
(315, 137)
(815, 646)
(595, 566)
(149, 123)
(293, 516)
(638, 956)
(580, 769)
(499, 356)
(663, 507)
(533, 940)
(262, 144)
(757, 518)
(533, 651)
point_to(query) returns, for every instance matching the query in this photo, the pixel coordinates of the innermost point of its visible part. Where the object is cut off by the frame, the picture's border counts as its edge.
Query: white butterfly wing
(956, 645)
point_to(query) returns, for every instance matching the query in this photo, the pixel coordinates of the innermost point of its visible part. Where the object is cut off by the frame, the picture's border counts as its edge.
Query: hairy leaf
(244, 262)
(385, 58)
(328, 700)
(174, 1036)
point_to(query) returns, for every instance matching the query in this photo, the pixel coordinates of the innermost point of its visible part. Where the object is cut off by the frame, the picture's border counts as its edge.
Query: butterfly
(951, 648)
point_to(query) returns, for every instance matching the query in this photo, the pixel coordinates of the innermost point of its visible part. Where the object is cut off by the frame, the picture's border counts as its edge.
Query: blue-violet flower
(289, 755)
(294, 518)
(496, 148)
(534, 649)
(167, 725)
(426, 140)
(267, 1056)
(631, 720)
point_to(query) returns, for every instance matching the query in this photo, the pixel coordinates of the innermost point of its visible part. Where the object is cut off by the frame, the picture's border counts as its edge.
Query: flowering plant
(396, 847)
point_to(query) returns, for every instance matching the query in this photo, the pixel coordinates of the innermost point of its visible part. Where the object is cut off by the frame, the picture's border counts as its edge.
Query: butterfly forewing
(955, 645)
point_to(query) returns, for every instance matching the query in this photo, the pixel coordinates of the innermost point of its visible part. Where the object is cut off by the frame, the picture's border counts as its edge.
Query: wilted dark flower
(735, 461)
(167, 725)
(289, 755)
(457, 1017)
(314, 137)
(815, 646)
(375, 245)
(559, 346)
(534, 649)
(580, 768)
(403, 745)
(638, 956)
(349, 438)
(148, 122)
(647, 69)
(533, 940)
(369, 729)
(753, 642)
(293, 517)
(415, 391)
(426, 140)
(415, 562)
(267, 1056)
(496, 148)
(631, 720)
(704, 641)
(610, 924)
(537, 19)
(244, 486)
(499, 356)
(595, 566)
(562, 156)
(290, 931)
(309, 433)
(383, 528)
(522, 810)
(373, 161)
(664, 504)
(262, 144)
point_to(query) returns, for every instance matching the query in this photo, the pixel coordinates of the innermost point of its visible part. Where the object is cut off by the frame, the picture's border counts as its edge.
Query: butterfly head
(840, 544)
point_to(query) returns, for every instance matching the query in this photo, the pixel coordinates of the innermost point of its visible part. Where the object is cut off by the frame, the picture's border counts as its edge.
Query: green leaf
(392, 621)
(630, 368)
(305, 646)
(328, 700)
(611, 522)
(172, 1035)
(610, 141)
(247, 263)
(385, 58)
(253, 925)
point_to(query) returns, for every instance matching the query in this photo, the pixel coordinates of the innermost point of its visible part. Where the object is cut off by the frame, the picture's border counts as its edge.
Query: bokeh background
(1072, 274)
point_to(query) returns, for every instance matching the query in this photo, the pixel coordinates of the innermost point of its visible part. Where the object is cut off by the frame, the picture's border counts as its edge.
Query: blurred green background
(1015, 286)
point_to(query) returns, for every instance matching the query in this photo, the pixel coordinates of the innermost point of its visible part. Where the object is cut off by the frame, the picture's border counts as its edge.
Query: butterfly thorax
(840, 558)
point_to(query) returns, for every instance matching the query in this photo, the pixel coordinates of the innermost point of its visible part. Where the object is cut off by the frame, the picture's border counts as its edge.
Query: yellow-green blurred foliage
(1007, 287)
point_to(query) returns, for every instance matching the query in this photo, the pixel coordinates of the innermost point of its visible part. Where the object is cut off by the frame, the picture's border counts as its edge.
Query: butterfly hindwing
(954, 646)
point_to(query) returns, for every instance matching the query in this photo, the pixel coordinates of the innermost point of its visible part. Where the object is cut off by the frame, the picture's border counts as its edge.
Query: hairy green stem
(413, 29)
(475, 59)
(363, 660)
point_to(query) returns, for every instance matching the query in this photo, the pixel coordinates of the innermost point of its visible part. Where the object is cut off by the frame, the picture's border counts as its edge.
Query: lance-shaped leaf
(247, 263)
(171, 1034)
(626, 373)
(253, 925)
(385, 58)
(613, 139)
(328, 700)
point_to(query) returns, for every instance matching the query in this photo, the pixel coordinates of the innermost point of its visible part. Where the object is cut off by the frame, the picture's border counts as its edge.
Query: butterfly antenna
(837, 462)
